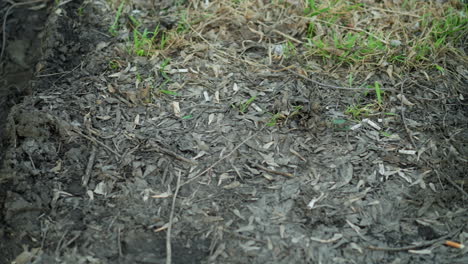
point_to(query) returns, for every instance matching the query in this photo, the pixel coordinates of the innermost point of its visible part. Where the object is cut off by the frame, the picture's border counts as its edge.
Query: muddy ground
(92, 172)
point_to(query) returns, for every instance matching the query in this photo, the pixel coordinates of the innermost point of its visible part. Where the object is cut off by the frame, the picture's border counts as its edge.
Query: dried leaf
(335, 238)
(57, 167)
(176, 108)
(405, 101)
(232, 185)
(110, 88)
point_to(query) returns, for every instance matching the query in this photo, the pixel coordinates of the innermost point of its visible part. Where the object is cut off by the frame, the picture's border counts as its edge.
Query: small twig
(96, 142)
(285, 174)
(336, 87)
(69, 242)
(169, 228)
(221, 159)
(32, 161)
(59, 243)
(357, 230)
(237, 171)
(287, 36)
(59, 73)
(297, 154)
(421, 245)
(456, 185)
(401, 248)
(119, 243)
(410, 135)
(282, 34)
(172, 154)
(89, 167)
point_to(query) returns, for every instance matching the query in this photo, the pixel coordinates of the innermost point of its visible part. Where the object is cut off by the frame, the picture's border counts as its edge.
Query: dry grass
(344, 40)
(343, 37)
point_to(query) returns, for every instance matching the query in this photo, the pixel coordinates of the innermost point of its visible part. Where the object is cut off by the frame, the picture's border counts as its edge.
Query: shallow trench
(25, 35)
(20, 36)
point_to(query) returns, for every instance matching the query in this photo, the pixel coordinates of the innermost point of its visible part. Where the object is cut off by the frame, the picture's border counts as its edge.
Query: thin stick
(89, 167)
(169, 228)
(421, 245)
(97, 142)
(402, 248)
(59, 73)
(403, 119)
(221, 159)
(119, 243)
(172, 154)
(287, 36)
(447, 177)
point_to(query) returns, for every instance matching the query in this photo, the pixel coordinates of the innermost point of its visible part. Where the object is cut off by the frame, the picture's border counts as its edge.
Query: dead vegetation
(249, 131)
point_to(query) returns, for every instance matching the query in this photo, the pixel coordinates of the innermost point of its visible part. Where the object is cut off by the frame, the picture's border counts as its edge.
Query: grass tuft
(115, 26)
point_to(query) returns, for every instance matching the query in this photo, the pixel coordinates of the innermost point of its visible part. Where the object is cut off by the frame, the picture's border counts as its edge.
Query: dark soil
(91, 174)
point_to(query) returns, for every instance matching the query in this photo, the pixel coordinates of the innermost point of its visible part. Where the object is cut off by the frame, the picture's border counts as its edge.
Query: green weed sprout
(358, 110)
(378, 93)
(273, 120)
(167, 79)
(143, 42)
(243, 107)
(113, 28)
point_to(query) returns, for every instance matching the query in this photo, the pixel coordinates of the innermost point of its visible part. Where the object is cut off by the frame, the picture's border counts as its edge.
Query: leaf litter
(231, 141)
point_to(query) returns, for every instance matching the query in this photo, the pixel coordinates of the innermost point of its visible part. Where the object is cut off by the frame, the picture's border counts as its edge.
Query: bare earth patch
(235, 132)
